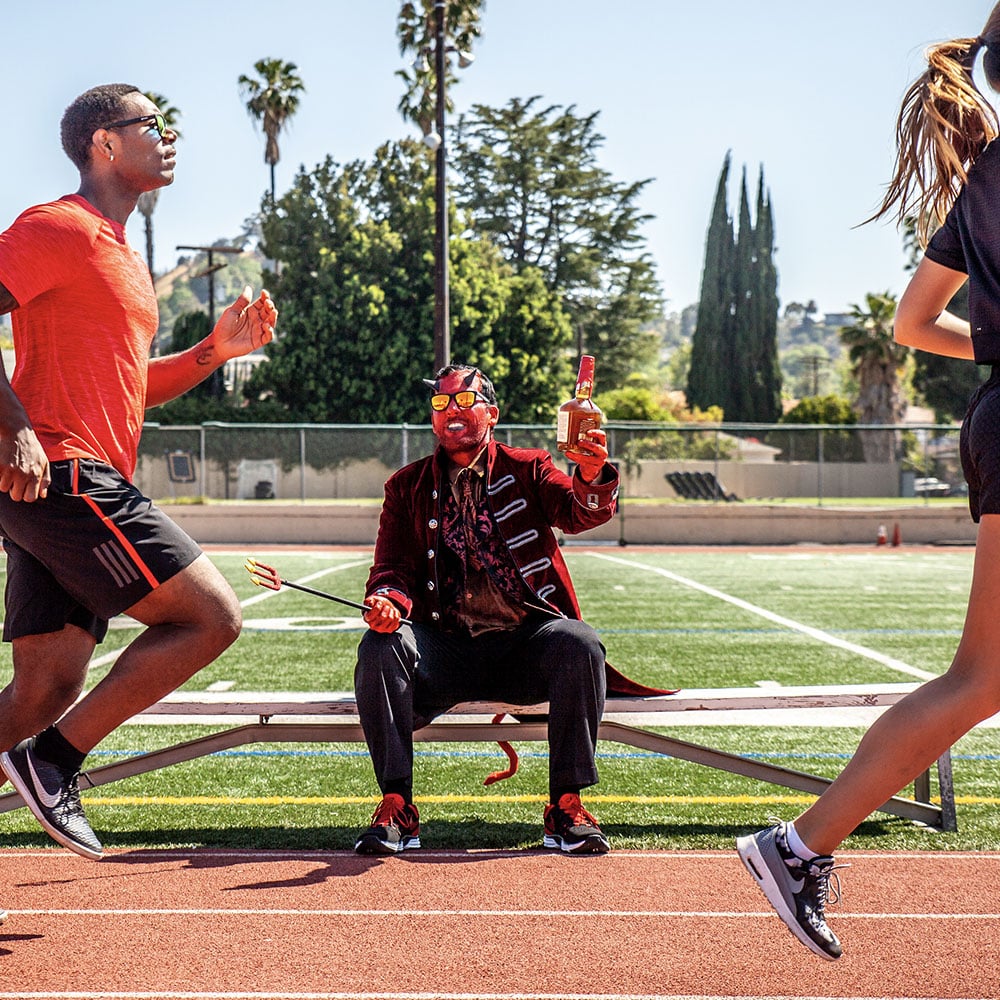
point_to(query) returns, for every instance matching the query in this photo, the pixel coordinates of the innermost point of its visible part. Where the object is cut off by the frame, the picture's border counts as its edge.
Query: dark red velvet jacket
(528, 496)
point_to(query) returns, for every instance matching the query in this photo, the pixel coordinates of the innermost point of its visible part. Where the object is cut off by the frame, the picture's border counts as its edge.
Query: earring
(111, 157)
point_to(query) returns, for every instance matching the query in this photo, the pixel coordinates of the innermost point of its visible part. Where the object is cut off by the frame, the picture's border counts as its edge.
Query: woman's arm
(921, 319)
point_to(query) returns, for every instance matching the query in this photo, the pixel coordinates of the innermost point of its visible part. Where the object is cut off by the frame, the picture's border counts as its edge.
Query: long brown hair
(944, 123)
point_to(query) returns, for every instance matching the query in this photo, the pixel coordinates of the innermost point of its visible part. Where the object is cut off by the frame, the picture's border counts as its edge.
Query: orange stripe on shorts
(126, 544)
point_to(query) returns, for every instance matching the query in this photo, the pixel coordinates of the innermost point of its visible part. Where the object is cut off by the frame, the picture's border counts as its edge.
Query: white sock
(796, 844)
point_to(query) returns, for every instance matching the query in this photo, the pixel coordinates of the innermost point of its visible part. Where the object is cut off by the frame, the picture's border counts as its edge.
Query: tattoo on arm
(206, 356)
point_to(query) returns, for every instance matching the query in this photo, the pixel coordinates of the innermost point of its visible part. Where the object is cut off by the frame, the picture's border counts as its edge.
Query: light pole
(434, 140)
(442, 308)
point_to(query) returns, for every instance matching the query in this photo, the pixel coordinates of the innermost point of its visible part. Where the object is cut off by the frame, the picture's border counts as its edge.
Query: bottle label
(562, 425)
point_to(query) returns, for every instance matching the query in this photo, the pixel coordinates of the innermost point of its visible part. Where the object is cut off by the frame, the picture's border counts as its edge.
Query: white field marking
(221, 686)
(113, 654)
(314, 623)
(619, 855)
(831, 640)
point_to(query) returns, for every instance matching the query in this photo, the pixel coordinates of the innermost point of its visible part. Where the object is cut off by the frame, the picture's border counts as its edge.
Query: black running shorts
(91, 549)
(979, 446)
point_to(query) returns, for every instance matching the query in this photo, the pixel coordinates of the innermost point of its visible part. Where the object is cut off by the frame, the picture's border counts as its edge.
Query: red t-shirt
(85, 321)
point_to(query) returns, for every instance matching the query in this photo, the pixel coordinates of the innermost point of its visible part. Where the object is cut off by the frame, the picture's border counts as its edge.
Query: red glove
(590, 453)
(382, 615)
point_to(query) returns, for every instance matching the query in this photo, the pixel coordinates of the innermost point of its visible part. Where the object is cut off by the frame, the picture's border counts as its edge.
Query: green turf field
(722, 618)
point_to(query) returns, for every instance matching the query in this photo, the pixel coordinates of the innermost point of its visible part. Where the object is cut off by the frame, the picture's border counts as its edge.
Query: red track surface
(166, 924)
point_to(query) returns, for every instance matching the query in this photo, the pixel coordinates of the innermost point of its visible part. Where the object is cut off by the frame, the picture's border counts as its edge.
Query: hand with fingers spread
(246, 325)
(590, 453)
(382, 614)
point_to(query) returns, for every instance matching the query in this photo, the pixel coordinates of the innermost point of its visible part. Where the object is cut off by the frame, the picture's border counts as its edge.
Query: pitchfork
(267, 576)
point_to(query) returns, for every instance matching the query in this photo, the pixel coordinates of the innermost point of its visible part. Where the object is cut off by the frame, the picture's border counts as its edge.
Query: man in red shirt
(83, 544)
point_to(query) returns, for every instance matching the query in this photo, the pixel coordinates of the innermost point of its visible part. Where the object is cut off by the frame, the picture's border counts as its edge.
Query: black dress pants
(406, 678)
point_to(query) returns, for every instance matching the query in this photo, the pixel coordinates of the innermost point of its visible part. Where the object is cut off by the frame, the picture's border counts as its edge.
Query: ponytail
(944, 123)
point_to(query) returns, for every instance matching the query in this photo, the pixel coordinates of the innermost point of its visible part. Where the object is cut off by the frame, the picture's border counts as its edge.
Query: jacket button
(430, 553)
(430, 584)
(432, 523)
(435, 616)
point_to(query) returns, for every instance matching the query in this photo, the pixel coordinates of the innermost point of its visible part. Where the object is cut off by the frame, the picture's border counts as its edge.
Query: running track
(505, 925)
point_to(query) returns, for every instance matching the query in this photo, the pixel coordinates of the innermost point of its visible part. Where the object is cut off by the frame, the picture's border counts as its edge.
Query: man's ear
(102, 147)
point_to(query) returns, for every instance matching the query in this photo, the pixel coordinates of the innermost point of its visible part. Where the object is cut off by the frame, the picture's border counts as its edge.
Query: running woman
(82, 543)
(948, 176)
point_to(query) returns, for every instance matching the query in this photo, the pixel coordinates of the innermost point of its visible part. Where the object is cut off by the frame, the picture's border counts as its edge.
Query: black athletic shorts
(979, 447)
(87, 552)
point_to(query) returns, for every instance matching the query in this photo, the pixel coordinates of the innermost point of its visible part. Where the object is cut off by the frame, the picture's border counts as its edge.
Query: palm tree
(877, 362)
(272, 101)
(148, 199)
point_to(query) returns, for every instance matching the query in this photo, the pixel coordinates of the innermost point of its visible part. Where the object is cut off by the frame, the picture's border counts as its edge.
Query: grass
(666, 621)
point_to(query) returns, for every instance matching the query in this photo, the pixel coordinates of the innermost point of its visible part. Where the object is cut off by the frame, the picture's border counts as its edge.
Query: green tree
(877, 363)
(804, 446)
(356, 294)
(272, 101)
(148, 199)
(530, 182)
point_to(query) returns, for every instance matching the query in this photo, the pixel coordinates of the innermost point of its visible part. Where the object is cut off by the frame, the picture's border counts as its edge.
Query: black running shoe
(798, 890)
(53, 796)
(570, 828)
(395, 827)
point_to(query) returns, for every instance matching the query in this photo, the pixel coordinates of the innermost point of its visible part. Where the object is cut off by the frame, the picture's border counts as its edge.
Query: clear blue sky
(808, 90)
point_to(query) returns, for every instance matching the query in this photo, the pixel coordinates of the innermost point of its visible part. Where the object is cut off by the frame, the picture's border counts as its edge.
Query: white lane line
(406, 913)
(436, 995)
(814, 633)
(113, 654)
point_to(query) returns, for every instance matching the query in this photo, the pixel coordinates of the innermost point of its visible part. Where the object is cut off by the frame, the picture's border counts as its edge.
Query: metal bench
(332, 718)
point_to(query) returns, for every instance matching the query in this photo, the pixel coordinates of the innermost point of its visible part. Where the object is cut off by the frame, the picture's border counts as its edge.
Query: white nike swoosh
(47, 800)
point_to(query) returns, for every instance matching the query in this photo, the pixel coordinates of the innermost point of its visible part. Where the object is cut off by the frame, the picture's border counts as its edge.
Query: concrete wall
(693, 523)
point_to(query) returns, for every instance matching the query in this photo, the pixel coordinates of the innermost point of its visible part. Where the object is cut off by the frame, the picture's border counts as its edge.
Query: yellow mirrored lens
(440, 402)
(465, 399)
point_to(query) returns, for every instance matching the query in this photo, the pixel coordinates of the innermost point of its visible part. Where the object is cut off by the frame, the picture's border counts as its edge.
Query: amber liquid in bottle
(580, 414)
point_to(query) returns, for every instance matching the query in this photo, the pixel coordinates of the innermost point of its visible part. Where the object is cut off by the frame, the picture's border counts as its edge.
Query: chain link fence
(717, 462)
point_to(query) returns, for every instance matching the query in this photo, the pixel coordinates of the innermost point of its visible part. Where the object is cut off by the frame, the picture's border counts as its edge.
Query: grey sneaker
(53, 796)
(798, 890)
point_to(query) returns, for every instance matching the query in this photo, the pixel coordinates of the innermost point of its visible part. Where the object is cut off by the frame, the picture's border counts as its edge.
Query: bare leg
(49, 673)
(192, 619)
(912, 734)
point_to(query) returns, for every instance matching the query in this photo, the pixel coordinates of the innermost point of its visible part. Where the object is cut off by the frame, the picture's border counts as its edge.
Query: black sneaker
(53, 796)
(570, 828)
(798, 890)
(395, 827)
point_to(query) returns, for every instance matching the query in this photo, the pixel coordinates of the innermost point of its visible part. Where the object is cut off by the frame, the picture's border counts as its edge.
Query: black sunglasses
(159, 122)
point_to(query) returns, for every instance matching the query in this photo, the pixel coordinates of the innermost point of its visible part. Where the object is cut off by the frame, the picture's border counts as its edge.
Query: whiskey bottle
(579, 414)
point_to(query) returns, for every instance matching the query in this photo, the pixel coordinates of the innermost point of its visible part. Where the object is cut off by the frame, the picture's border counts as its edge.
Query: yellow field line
(368, 800)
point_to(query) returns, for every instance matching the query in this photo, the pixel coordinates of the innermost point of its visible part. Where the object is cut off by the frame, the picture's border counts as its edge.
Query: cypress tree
(711, 355)
(734, 349)
(767, 368)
